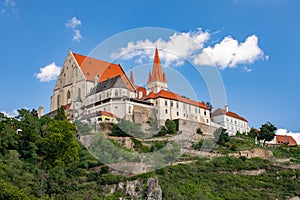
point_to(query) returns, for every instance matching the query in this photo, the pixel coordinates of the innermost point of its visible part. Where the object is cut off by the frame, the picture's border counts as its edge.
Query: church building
(88, 87)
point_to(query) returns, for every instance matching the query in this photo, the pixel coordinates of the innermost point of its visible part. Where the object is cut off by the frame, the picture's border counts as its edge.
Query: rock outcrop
(137, 189)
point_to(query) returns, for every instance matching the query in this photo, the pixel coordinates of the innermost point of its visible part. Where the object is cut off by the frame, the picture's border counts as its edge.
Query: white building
(87, 86)
(169, 105)
(78, 76)
(230, 121)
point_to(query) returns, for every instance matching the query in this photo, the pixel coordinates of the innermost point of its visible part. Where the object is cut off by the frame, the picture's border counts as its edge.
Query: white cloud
(48, 73)
(74, 24)
(9, 8)
(77, 36)
(10, 114)
(247, 69)
(230, 53)
(177, 47)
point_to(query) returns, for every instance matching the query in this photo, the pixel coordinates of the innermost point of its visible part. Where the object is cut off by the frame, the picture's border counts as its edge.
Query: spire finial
(131, 76)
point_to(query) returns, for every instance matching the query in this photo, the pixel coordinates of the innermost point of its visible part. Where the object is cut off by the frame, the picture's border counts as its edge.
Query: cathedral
(90, 88)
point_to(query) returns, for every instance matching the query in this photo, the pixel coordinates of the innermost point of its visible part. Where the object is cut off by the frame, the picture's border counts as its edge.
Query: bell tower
(157, 80)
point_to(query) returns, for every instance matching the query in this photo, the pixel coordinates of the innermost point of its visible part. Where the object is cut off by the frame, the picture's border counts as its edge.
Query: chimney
(226, 108)
(40, 111)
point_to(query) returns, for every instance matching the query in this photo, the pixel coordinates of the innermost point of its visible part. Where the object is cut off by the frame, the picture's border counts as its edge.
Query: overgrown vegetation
(42, 159)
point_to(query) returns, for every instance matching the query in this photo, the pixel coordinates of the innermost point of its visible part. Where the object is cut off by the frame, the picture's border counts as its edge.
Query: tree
(267, 132)
(59, 146)
(82, 128)
(170, 126)
(253, 133)
(199, 131)
(60, 114)
(222, 136)
(30, 136)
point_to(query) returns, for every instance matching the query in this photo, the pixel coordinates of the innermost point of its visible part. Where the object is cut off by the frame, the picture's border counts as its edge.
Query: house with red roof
(230, 121)
(282, 139)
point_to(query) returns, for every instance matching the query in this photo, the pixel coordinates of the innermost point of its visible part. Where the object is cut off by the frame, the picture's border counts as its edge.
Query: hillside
(46, 161)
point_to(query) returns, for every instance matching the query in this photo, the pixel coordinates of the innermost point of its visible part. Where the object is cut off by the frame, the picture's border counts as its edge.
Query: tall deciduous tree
(60, 146)
(30, 136)
(267, 132)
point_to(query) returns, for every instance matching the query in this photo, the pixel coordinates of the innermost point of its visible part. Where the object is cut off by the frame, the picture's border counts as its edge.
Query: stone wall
(191, 127)
(142, 114)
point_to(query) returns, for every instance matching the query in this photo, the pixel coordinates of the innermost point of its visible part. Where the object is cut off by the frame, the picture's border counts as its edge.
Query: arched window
(68, 94)
(58, 100)
(79, 93)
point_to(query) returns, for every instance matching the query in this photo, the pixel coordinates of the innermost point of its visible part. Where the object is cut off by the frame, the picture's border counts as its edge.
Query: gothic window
(166, 111)
(58, 100)
(166, 102)
(177, 113)
(79, 93)
(68, 94)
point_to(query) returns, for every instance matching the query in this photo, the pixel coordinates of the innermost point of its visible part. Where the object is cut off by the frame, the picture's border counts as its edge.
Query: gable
(92, 67)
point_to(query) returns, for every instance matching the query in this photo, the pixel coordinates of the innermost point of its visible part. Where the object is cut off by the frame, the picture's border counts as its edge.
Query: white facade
(76, 89)
(230, 121)
(71, 86)
(173, 109)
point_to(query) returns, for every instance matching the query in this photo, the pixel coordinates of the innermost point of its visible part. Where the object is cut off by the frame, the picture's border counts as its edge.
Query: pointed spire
(164, 77)
(149, 78)
(131, 77)
(157, 74)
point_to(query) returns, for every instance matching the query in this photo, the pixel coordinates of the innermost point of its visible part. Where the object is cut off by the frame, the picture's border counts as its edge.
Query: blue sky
(264, 87)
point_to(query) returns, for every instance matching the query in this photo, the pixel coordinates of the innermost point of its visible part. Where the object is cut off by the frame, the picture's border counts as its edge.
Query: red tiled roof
(173, 96)
(221, 111)
(92, 67)
(284, 139)
(108, 114)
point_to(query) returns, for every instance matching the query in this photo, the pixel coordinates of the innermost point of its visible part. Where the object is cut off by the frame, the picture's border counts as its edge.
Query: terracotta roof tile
(108, 114)
(173, 96)
(221, 111)
(92, 67)
(284, 139)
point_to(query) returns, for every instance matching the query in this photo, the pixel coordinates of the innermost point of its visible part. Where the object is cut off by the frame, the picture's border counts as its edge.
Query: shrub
(199, 131)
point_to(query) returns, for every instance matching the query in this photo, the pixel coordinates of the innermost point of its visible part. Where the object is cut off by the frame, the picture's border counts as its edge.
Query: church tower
(157, 80)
